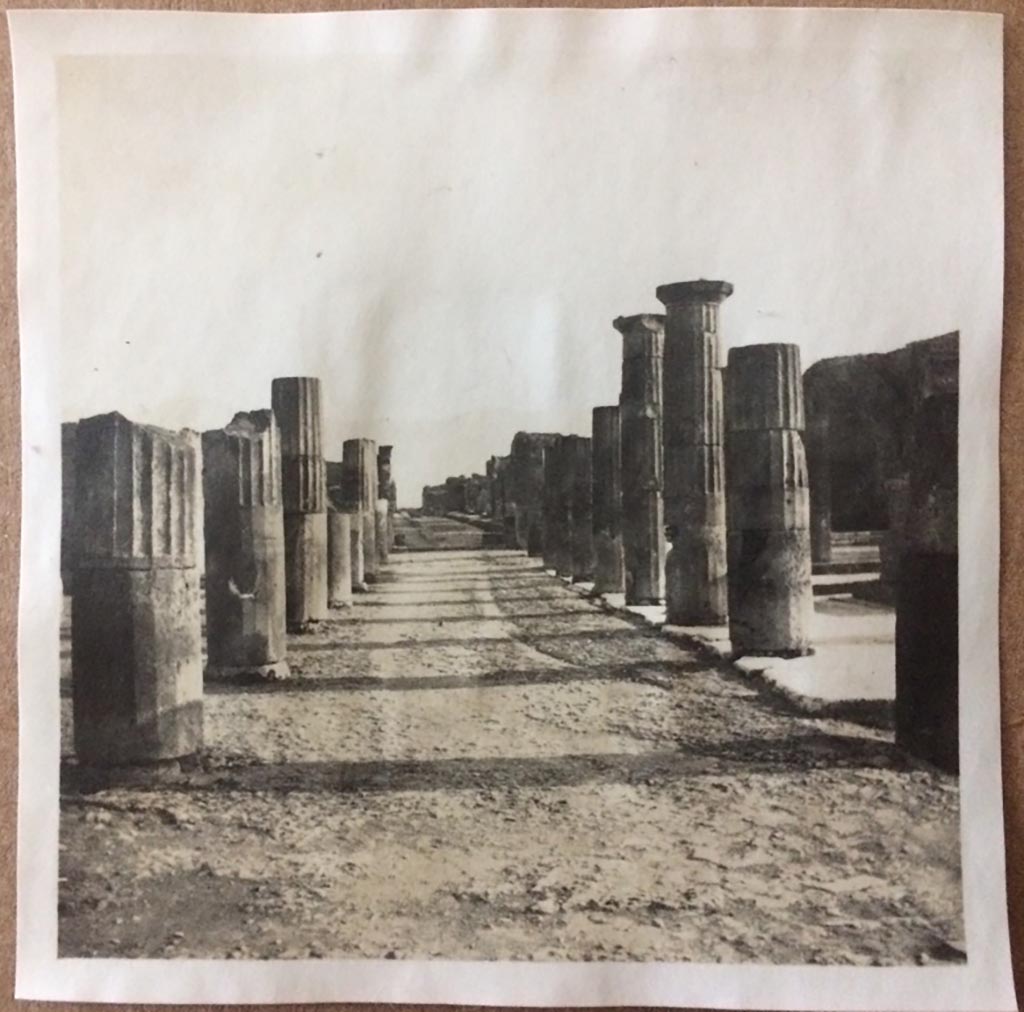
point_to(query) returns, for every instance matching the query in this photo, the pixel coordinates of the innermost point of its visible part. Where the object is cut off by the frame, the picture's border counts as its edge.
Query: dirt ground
(475, 762)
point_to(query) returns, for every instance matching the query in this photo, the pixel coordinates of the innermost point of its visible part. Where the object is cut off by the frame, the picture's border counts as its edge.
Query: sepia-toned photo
(512, 471)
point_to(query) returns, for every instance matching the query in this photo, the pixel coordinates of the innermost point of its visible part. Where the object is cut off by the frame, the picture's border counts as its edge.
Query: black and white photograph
(494, 493)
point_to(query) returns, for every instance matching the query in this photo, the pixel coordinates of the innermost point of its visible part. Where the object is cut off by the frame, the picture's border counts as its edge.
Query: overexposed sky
(445, 238)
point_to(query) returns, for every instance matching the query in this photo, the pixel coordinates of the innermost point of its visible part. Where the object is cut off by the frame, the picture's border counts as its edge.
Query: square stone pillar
(819, 472)
(606, 467)
(557, 539)
(927, 594)
(136, 637)
(245, 553)
(359, 488)
(643, 521)
(695, 580)
(296, 404)
(771, 602)
(339, 559)
(581, 513)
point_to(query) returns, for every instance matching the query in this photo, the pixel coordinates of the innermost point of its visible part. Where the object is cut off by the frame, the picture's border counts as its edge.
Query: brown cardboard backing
(1011, 451)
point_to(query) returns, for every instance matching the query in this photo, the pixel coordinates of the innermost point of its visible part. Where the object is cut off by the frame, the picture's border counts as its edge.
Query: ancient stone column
(769, 543)
(358, 568)
(890, 550)
(820, 477)
(339, 559)
(695, 580)
(359, 488)
(68, 437)
(927, 598)
(527, 488)
(557, 538)
(136, 638)
(581, 513)
(643, 524)
(245, 550)
(296, 404)
(386, 490)
(606, 466)
(382, 517)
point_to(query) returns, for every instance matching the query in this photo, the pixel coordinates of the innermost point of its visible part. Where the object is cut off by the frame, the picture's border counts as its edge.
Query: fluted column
(643, 524)
(769, 542)
(695, 578)
(606, 466)
(136, 635)
(359, 488)
(296, 404)
(245, 549)
(927, 597)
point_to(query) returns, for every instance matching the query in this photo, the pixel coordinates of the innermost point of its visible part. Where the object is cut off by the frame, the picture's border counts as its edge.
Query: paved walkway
(476, 762)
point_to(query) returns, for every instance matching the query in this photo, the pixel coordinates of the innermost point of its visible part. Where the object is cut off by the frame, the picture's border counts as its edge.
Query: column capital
(654, 322)
(681, 293)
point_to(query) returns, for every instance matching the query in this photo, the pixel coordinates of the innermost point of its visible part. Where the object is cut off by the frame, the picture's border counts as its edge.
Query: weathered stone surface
(870, 402)
(382, 514)
(339, 559)
(355, 530)
(386, 489)
(769, 542)
(359, 489)
(643, 525)
(820, 478)
(891, 548)
(609, 560)
(927, 596)
(557, 531)
(136, 636)
(245, 553)
(296, 404)
(695, 579)
(525, 488)
(68, 438)
(581, 513)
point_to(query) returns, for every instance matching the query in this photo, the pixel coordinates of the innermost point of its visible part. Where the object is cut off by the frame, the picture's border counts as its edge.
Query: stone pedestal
(359, 490)
(927, 598)
(771, 602)
(296, 404)
(820, 477)
(695, 579)
(606, 466)
(136, 639)
(339, 559)
(581, 514)
(245, 551)
(643, 523)
(557, 540)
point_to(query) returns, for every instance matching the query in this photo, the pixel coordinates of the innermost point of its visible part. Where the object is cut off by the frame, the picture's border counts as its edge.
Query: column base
(277, 671)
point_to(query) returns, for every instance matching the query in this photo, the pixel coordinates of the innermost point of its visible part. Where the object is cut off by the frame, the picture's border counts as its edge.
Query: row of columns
(714, 454)
(279, 552)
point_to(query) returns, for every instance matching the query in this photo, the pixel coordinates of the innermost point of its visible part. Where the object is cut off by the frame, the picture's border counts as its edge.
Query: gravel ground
(475, 762)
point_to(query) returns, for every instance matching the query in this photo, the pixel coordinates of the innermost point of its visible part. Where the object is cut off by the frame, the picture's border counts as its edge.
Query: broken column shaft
(606, 468)
(359, 489)
(927, 597)
(245, 549)
(296, 404)
(769, 540)
(386, 490)
(643, 528)
(136, 639)
(695, 576)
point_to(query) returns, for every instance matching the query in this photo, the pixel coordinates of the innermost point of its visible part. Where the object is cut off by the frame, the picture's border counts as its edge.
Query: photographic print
(494, 492)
